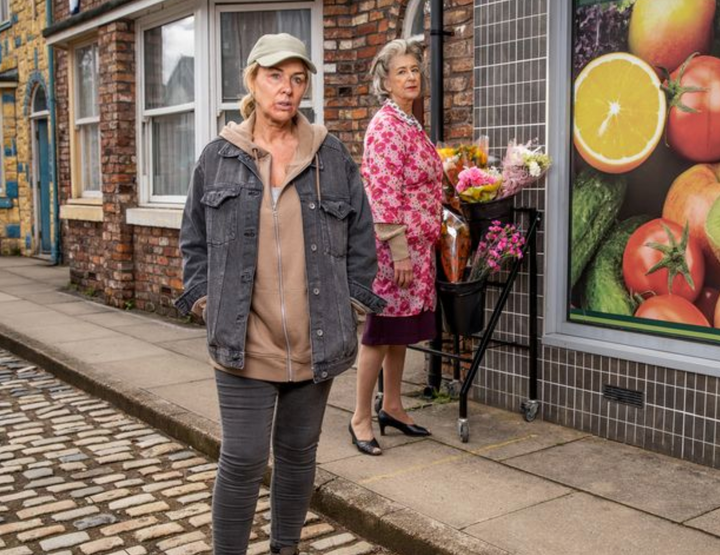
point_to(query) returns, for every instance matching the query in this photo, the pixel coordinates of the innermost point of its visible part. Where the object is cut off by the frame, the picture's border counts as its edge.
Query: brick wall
(356, 31)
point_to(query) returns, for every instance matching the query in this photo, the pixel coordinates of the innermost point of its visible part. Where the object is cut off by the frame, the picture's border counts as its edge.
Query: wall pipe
(436, 70)
(56, 250)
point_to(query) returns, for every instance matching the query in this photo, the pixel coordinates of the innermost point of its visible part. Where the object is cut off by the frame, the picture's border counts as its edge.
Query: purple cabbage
(599, 29)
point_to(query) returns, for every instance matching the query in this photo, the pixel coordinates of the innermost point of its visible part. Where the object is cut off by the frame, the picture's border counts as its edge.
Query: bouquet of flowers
(502, 243)
(478, 185)
(523, 165)
(455, 159)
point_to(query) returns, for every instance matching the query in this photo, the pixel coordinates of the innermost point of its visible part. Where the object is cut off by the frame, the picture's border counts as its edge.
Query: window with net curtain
(238, 33)
(87, 119)
(4, 10)
(169, 106)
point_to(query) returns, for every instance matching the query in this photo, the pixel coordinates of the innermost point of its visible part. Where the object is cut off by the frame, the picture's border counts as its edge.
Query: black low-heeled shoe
(371, 447)
(414, 430)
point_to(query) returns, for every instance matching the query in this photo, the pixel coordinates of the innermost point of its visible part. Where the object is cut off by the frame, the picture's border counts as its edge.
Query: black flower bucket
(481, 215)
(463, 306)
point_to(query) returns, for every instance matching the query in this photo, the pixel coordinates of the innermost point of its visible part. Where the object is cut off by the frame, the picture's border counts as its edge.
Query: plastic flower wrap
(523, 165)
(501, 243)
(454, 246)
(479, 185)
(457, 158)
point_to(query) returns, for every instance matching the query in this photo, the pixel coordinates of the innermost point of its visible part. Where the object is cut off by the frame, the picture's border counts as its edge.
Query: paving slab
(195, 348)
(336, 444)
(582, 524)
(76, 307)
(114, 319)
(5, 298)
(709, 522)
(24, 321)
(57, 275)
(109, 349)
(161, 332)
(658, 484)
(494, 433)
(29, 290)
(199, 397)
(452, 486)
(20, 306)
(67, 332)
(19, 262)
(155, 371)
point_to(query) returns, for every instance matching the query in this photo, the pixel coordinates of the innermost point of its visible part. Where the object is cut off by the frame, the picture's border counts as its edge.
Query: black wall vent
(625, 396)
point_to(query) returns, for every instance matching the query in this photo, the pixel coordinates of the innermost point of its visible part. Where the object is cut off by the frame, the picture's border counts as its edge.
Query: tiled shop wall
(680, 416)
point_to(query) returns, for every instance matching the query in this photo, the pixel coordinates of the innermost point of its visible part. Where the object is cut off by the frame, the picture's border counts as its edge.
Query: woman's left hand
(403, 272)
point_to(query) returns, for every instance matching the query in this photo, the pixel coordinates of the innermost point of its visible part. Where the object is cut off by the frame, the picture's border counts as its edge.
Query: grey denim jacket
(219, 245)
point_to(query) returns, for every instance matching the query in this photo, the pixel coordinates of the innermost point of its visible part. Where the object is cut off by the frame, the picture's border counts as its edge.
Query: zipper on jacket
(282, 291)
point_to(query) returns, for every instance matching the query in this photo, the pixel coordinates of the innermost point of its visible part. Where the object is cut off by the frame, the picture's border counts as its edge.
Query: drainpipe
(436, 70)
(56, 250)
(436, 134)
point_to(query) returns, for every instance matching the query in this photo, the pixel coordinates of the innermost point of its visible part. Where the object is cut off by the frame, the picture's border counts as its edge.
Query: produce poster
(644, 249)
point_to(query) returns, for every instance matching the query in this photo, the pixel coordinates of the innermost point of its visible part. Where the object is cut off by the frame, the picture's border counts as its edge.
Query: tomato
(672, 308)
(693, 126)
(707, 301)
(661, 251)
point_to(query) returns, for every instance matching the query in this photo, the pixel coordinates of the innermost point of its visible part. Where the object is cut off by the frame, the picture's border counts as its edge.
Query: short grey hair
(380, 68)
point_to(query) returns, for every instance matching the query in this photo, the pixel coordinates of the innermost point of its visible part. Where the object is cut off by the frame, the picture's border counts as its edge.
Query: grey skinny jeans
(251, 412)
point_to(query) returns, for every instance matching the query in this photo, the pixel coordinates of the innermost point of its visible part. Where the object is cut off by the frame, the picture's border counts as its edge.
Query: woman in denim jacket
(278, 247)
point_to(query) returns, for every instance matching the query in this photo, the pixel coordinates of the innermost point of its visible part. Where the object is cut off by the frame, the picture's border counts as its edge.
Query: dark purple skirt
(399, 330)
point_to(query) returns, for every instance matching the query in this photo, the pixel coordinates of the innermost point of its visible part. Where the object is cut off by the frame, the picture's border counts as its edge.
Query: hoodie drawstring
(317, 178)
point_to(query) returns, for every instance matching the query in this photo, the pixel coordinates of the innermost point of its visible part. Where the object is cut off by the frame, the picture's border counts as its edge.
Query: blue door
(43, 184)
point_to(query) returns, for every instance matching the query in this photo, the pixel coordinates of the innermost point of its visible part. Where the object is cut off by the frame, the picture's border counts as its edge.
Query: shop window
(623, 205)
(4, 11)
(237, 33)
(86, 116)
(167, 99)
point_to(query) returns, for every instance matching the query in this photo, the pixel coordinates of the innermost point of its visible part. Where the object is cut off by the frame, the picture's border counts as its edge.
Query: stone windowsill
(169, 218)
(82, 211)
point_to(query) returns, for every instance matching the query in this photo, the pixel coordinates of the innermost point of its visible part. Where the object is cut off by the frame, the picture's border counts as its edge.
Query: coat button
(313, 247)
(316, 291)
(312, 206)
(324, 374)
(319, 333)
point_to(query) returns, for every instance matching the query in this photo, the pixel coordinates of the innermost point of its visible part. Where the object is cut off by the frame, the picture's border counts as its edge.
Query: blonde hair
(247, 104)
(380, 68)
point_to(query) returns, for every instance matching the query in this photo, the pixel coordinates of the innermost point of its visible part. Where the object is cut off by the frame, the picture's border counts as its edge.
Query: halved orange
(619, 112)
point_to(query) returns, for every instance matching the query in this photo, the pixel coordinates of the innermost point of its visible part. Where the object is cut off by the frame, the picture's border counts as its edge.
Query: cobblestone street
(78, 476)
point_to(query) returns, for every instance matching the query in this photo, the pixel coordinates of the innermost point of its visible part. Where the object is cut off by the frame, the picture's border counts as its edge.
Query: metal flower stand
(531, 405)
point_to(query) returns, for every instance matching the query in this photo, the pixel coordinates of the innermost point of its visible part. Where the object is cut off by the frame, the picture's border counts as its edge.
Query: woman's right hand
(403, 272)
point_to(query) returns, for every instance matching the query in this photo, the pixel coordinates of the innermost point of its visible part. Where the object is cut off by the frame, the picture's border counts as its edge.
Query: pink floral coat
(403, 179)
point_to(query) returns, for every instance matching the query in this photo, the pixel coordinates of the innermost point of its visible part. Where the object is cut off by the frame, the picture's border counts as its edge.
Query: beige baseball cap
(271, 50)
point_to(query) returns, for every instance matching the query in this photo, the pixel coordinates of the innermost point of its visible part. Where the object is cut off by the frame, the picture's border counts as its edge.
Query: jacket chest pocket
(221, 214)
(336, 220)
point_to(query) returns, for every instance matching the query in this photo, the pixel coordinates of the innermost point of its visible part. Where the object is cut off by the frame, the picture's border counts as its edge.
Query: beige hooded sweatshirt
(278, 331)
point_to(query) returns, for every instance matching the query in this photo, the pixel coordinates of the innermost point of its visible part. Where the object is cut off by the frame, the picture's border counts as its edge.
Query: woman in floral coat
(403, 180)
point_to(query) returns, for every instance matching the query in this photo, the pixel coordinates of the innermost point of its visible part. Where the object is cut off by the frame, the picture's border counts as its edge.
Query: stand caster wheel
(530, 410)
(378, 402)
(463, 430)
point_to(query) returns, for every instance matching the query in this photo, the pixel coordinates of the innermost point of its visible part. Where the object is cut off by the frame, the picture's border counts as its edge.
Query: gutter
(82, 17)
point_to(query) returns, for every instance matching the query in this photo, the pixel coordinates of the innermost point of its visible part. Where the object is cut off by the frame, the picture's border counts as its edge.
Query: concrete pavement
(514, 488)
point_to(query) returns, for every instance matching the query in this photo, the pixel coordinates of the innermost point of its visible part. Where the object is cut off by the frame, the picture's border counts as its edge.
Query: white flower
(534, 169)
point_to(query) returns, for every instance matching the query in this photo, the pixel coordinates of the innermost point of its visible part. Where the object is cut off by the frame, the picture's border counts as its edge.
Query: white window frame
(410, 14)
(316, 34)
(77, 153)
(199, 106)
(559, 331)
(4, 11)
